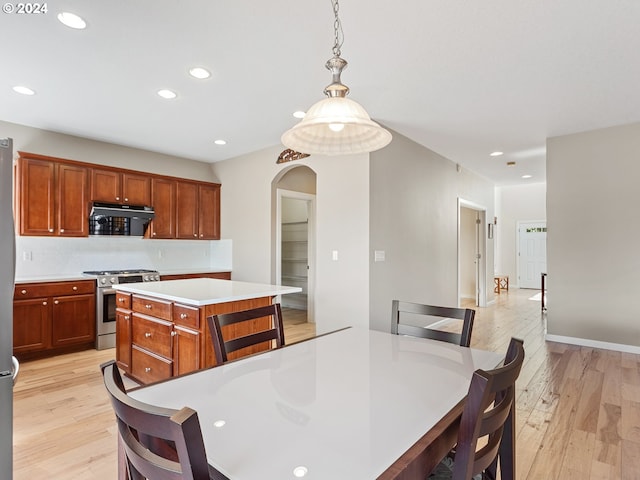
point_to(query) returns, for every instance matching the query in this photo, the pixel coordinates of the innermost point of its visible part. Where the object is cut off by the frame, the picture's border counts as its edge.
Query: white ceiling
(463, 78)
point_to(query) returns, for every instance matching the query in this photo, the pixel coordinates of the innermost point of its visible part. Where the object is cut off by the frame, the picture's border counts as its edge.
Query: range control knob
(146, 278)
(103, 280)
(113, 280)
(157, 277)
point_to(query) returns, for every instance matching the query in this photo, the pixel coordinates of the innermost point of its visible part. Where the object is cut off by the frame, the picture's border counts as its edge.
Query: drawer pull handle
(44, 303)
(173, 333)
(121, 300)
(62, 230)
(147, 334)
(75, 289)
(126, 317)
(183, 316)
(51, 230)
(56, 302)
(148, 306)
(147, 369)
(23, 292)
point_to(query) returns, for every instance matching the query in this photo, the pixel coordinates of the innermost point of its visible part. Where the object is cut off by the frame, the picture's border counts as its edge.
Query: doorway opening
(532, 253)
(294, 243)
(472, 253)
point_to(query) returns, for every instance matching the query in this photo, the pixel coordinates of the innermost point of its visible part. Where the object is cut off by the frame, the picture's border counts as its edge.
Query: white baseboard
(584, 342)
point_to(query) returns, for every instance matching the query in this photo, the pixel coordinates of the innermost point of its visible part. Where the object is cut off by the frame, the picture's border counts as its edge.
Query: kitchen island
(161, 327)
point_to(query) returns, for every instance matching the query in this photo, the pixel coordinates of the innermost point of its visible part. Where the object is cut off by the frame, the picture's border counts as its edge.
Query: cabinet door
(136, 189)
(73, 202)
(73, 320)
(123, 339)
(209, 212)
(36, 197)
(186, 351)
(106, 186)
(163, 200)
(31, 325)
(187, 210)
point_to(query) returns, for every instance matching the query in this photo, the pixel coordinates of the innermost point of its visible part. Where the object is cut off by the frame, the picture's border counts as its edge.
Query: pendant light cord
(337, 28)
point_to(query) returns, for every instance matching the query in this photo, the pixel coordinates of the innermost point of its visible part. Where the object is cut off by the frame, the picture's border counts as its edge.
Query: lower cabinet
(166, 339)
(51, 317)
(157, 339)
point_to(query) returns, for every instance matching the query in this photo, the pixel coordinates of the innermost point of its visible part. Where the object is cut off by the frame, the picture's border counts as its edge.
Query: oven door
(106, 318)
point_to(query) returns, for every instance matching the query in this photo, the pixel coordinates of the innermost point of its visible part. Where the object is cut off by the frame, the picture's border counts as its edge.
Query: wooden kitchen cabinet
(197, 211)
(123, 331)
(53, 317)
(184, 276)
(166, 339)
(51, 198)
(115, 186)
(163, 199)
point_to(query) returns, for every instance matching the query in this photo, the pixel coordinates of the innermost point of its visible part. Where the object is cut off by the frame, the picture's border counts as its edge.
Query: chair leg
(507, 453)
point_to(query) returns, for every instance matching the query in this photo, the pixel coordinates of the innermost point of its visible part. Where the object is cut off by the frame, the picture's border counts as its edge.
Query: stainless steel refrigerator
(8, 364)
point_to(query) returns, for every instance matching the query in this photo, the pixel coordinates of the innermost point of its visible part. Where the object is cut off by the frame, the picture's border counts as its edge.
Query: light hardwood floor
(578, 409)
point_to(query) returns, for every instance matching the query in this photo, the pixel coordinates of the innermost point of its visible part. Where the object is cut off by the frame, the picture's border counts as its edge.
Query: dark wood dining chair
(223, 347)
(402, 310)
(489, 413)
(158, 443)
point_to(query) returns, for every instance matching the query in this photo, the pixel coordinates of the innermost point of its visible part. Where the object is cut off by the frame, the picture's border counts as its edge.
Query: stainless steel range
(106, 300)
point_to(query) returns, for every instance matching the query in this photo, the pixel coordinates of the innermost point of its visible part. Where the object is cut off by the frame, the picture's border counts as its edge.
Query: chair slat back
(490, 412)
(159, 443)
(223, 347)
(462, 337)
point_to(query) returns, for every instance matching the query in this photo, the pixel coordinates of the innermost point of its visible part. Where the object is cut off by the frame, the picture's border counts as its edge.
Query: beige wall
(44, 142)
(342, 224)
(516, 203)
(414, 219)
(593, 235)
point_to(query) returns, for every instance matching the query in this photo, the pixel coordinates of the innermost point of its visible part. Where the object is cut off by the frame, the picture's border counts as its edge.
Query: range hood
(123, 211)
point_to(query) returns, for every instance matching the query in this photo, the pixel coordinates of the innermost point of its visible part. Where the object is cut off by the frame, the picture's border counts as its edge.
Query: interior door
(532, 251)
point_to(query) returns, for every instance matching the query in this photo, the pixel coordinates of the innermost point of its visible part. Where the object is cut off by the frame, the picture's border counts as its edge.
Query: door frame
(481, 287)
(311, 245)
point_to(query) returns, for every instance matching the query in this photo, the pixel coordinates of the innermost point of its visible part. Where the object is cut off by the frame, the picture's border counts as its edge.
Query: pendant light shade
(336, 125)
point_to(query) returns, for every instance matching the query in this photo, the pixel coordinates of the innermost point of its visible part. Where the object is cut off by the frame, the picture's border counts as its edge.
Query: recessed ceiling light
(23, 90)
(199, 72)
(496, 154)
(299, 114)
(72, 20)
(219, 423)
(220, 142)
(300, 471)
(511, 164)
(168, 94)
(527, 176)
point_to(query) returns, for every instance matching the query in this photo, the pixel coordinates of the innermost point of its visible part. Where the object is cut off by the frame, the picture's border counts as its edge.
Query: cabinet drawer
(149, 368)
(153, 335)
(50, 289)
(186, 316)
(123, 300)
(150, 306)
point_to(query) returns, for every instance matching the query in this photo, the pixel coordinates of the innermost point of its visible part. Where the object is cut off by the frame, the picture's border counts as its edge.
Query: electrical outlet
(334, 255)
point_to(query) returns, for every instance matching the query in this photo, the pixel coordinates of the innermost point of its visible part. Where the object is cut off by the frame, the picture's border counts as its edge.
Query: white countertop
(205, 291)
(66, 277)
(345, 405)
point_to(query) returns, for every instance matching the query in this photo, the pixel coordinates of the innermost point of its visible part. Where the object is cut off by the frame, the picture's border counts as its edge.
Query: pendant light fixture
(336, 125)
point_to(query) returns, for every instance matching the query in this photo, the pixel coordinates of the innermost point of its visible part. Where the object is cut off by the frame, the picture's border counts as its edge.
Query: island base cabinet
(148, 367)
(164, 339)
(186, 351)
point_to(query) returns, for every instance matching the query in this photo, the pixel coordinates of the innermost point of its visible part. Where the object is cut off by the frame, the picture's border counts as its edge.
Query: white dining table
(346, 405)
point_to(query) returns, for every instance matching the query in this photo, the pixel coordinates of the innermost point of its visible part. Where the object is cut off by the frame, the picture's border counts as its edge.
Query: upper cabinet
(52, 198)
(120, 187)
(197, 211)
